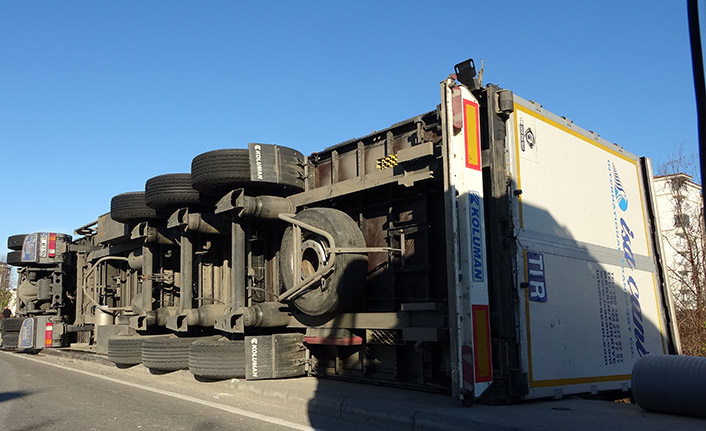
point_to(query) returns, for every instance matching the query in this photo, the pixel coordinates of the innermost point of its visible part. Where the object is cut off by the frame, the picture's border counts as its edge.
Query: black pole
(697, 62)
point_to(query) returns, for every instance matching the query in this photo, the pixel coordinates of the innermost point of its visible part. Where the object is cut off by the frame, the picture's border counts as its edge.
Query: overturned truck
(487, 248)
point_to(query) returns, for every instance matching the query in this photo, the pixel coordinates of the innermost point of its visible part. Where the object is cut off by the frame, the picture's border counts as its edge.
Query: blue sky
(96, 97)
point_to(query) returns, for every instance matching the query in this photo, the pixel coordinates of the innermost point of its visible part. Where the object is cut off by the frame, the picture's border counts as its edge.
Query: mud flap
(274, 356)
(275, 164)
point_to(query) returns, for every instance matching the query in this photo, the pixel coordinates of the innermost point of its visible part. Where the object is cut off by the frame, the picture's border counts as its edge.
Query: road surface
(46, 393)
(63, 390)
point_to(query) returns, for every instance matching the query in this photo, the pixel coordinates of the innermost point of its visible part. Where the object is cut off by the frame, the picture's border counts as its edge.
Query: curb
(82, 356)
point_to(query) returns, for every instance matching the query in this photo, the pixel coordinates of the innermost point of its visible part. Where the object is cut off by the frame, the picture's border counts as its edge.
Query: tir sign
(535, 277)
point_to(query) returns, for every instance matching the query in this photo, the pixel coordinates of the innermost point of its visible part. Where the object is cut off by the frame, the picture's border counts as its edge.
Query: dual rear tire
(125, 351)
(261, 169)
(169, 353)
(11, 332)
(217, 358)
(209, 358)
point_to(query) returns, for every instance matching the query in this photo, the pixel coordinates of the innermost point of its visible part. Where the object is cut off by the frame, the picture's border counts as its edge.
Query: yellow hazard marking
(387, 162)
(470, 119)
(481, 343)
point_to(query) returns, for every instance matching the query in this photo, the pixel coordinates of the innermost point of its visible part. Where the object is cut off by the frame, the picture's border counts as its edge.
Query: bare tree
(680, 202)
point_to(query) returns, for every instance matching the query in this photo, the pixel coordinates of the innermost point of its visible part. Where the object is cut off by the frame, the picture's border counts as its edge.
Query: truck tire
(338, 292)
(10, 340)
(131, 206)
(171, 191)
(220, 171)
(125, 350)
(219, 358)
(168, 353)
(15, 242)
(14, 258)
(12, 324)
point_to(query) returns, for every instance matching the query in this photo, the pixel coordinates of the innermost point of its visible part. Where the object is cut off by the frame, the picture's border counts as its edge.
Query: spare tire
(130, 206)
(217, 358)
(10, 340)
(14, 258)
(171, 191)
(12, 324)
(15, 242)
(338, 292)
(261, 169)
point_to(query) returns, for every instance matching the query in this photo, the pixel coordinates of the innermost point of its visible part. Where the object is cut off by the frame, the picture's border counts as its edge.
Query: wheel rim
(313, 257)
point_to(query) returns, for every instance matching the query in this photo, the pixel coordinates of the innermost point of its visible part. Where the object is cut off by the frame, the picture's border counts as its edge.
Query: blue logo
(26, 335)
(625, 235)
(29, 248)
(618, 191)
(476, 236)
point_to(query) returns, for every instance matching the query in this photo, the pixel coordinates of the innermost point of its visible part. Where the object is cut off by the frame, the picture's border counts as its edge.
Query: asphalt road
(38, 393)
(65, 390)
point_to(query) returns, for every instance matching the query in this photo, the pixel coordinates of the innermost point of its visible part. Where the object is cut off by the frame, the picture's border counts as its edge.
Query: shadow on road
(7, 396)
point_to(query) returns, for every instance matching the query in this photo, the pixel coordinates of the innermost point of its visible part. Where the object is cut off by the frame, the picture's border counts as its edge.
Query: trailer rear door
(467, 277)
(591, 295)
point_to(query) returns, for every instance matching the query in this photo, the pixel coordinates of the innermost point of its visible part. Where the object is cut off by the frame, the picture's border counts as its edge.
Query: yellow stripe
(578, 380)
(517, 162)
(563, 128)
(659, 315)
(482, 347)
(470, 111)
(555, 382)
(527, 317)
(574, 133)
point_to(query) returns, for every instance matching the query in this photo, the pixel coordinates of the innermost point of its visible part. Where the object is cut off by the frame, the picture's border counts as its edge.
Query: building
(680, 208)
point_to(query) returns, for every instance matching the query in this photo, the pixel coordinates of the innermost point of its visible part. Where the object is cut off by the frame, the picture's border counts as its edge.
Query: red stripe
(331, 341)
(467, 363)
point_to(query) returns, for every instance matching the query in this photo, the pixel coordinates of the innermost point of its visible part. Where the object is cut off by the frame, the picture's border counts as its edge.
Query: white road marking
(225, 408)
